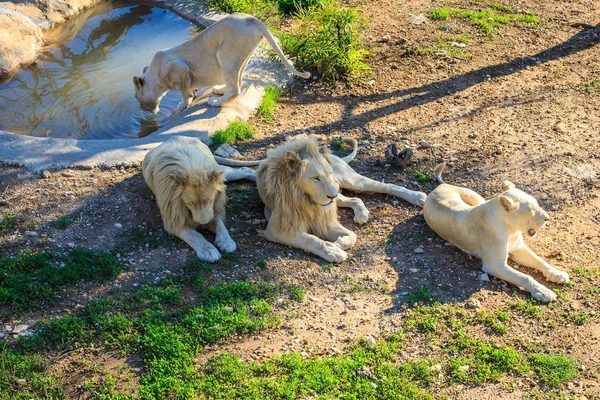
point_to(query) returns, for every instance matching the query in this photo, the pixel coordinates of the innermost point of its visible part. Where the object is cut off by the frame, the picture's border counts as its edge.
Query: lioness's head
(201, 193)
(308, 166)
(522, 211)
(147, 93)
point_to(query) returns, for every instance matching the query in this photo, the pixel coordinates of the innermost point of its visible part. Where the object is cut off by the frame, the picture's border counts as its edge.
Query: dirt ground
(521, 109)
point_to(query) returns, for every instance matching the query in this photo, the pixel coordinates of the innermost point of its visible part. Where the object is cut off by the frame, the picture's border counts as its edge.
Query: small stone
(419, 250)
(20, 328)
(560, 127)
(46, 174)
(401, 41)
(394, 259)
(370, 340)
(417, 19)
(484, 277)
(473, 303)
(71, 245)
(457, 44)
(385, 39)
(464, 368)
(447, 28)
(68, 174)
(425, 144)
(118, 225)
(226, 151)
(230, 309)
(31, 233)
(21, 382)
(435, 368)
(2, 335)
(256, 221)
(414, 270)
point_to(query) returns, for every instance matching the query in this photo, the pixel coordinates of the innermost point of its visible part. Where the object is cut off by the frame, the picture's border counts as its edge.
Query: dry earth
(518, 109)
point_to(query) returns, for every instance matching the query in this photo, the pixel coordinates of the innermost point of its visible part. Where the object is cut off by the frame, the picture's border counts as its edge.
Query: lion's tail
(354, 144)
(438, 172)
(267, 34)
(236, 163)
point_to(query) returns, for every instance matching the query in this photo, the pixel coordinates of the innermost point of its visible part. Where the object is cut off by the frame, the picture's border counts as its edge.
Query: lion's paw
(225, 243)
(557, 276)
(345, 242)
(333, 253)
(208, 253)
(418, 199)
(361, 218)
(214, 101)
(542, 293)
(249, 172)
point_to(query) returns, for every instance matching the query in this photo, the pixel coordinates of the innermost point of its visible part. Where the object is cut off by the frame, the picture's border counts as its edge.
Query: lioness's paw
(249, 172)
(542, 293)
(362, 218)
(225, 243)
(333, 253)
(208, 253)
(557, 276)
(214, 101)
(418, 199)
(345, 242)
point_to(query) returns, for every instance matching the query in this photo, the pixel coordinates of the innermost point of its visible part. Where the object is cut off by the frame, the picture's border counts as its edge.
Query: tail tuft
(438, 172)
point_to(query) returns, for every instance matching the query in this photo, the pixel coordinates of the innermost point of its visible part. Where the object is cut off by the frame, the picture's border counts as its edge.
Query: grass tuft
(486, 19)
(269, 103)
(553, 369)
(237, 130)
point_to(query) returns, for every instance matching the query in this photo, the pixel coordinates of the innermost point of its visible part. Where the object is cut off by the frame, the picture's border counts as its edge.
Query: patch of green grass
(262, 264)
(421, 295)
(62, 223)
(236, 131)
(495, 321)
(30, 280)
(592, 87)
(9, 222)
(357, 288)
(588, 273)
(486, 19)
(420, 177)
(269, 103)
(553, 369)
(525, 308)
(135, 238)
(577, 318)
(265, 10)
(326, 41)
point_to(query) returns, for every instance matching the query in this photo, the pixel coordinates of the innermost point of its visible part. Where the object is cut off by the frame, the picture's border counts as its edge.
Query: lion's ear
(507, 185)
(137, 81)
(324, 149)
(178, 179)
(293, 160)
(217, 176)
(508, 204)
(144, 70)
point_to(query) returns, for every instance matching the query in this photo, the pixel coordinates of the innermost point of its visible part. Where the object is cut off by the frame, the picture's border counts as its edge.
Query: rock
(20, 328)
(464, 368)
(456, 44)
(435, 368)
(370, 340)
(484, 277)
(46, 174)
(21, 382)
(226, 151)
(228, 309)
(425, 144)
(414, 270)
(31, 233)
(401, 41)
(385, 39)
(473, 303)
(560, 127)
(256, 221)
(417, 19)
(68, 174)
(419, 250)
(71, 245)
(447, 28)
(394, 259)
(118, 225)
(3, 203)
(2, 335)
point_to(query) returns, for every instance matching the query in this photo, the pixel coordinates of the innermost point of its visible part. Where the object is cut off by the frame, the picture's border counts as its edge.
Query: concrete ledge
(199, 120)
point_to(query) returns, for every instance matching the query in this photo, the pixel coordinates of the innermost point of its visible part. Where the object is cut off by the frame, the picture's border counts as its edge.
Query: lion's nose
(332, 197)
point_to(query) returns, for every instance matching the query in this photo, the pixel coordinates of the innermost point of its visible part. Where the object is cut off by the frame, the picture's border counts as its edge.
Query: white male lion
(299, 183)
(216, 58)
(190, 192)
(493, 231)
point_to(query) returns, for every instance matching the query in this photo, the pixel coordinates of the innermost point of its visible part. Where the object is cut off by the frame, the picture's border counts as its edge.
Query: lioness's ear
(217, 176)
(508, 204)
(178, 179)
(137, 81)
(507, 185)
(144, 70)
(293, 160)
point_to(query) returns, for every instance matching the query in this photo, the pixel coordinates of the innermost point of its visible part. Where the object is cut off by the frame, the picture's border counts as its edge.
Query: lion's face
(522, 210)
(146, 93)
(200, 199)
(315, 178)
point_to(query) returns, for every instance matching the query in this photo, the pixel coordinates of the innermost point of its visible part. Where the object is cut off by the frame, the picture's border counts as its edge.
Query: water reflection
(80, 86)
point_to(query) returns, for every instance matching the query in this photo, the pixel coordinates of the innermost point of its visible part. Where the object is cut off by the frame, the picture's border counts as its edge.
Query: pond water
(81, 85)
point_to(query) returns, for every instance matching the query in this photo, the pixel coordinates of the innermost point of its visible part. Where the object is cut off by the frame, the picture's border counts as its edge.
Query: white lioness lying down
(493, 231)
(190, 192)
(299, 182)
(216, 58)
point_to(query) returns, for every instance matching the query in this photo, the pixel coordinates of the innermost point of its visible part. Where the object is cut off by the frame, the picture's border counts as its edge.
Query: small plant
(9, 222)
(62, 223)
(421, 177)
(292, 6)
(486, 19)
(592, 87)
(421, 295)
(262, 264)
(269, 103)
(237, 130)
(327, 42)
(553, 369)
(265, 10)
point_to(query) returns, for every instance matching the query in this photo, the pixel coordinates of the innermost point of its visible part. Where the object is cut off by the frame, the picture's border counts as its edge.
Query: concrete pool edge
(199, 120)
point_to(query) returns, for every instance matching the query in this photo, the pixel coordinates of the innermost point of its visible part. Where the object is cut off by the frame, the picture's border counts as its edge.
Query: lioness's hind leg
(219, 89)
(525, 256)
(361, 214)
(359, 183)
(231, 68)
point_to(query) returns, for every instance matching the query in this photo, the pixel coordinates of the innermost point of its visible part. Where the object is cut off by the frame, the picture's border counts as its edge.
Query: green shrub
(327, 42)
(265, 10)
(269, 103)
(293, 6)
(237, 130)
(553, 369)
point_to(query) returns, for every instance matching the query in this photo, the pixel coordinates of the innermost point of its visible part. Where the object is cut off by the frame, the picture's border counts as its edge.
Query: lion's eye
(316, 178)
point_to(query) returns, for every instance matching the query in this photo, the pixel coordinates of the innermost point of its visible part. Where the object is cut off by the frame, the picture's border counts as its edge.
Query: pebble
(560, 127)
(46, 174)
(417, 19)
(20, 328)
(419, 250)
(118, 225)
(68, 174)
(473, 303)
(227, 151)
(401, 41)
(464, 368)
(385, 39)
(426, 144)
(394, 259)
(484, 277)
(21, 382)
(447, 28)
(414, 270)
(370, 340)
(457, 44)
(71, 245)
(435, 368)
(31, 233)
